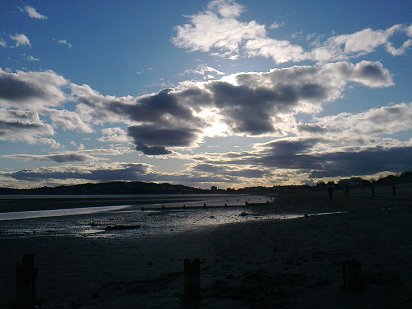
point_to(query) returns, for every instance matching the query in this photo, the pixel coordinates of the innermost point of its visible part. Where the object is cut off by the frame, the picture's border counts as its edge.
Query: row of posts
(346, 191)
(26, 275)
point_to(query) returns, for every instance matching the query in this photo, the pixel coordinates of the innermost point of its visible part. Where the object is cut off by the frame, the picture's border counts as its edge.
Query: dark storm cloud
(58, 157)
(365, 162)
(152, 139)
(13, 89)
(162, 108)
(251, 109)
(288, 155)
(300, 155)
(152, 150)
(69, 157)
(31, 89)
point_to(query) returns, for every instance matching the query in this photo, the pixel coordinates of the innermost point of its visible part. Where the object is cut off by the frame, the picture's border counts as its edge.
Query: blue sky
(227, 93)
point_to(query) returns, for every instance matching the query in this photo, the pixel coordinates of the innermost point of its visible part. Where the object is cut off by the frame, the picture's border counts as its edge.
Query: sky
(201, 93)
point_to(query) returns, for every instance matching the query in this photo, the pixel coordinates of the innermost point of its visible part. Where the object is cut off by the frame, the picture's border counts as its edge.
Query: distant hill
(118, 187)
(137, 187)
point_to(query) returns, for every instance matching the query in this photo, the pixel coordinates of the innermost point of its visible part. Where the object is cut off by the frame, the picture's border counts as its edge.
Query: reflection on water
(56, 212)
(153, 220)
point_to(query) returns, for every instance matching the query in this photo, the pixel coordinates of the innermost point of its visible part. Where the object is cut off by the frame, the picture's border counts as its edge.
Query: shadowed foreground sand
(283, 264)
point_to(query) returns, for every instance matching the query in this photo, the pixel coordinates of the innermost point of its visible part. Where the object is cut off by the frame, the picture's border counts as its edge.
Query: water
(150, 218)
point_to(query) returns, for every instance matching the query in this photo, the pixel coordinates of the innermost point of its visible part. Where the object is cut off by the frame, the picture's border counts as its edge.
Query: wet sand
(284, 264)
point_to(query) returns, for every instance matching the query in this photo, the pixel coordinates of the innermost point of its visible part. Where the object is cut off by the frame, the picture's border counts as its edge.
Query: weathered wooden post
(352, 275)
(393, 190)
(25, 283)
(192, 280)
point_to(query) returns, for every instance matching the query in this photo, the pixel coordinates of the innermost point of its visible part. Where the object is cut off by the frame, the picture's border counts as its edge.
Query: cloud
(32, 90)
(301, 156)
(259, 103)
(31, 58)
(116, 135)
(32, 13)
(232, 172)
(152, 140)
(251, 103)
(20, 40)
(205, 71)
(64, 42)
(68, 120)
(26, 126)
(98, 172)
(218, 30)
(400, 50)
(3, 43)
(276, 25)
(371, 74)
(57, 157)
(157, 114)
(365, 162)
(382, 121)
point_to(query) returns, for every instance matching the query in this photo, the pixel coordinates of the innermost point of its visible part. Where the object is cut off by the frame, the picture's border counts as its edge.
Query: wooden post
(393, 190)
(25, 283)
(192, 280)
(352, 275)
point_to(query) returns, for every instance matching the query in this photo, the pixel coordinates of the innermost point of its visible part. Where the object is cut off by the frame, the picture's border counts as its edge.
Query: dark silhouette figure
(330, 191)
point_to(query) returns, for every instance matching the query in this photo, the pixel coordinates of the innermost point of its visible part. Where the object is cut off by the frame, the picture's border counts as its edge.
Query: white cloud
(114, 135)
(205, 71)
(400, 50)
(32, 13)
(68, 120)
(31, 58)
(20, 40)
(218, 30)
(382, 121)
(280, 51)
(276, 25)
(3, 43)
(64, 42)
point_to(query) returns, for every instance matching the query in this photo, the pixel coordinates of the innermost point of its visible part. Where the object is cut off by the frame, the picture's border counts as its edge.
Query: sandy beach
(294, 263)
